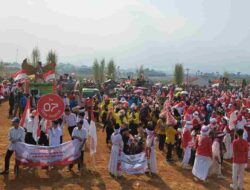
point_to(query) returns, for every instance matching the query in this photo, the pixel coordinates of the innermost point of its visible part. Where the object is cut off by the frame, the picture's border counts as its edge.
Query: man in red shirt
(240, 156)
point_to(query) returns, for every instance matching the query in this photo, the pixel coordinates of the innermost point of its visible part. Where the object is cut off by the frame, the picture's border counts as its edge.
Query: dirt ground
(169, 176)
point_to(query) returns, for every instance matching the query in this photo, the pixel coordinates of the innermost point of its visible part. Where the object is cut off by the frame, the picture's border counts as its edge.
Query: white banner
(134, 164)
(32, 155)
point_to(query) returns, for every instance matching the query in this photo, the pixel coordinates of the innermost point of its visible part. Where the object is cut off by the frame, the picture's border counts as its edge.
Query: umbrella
(184, 92)
(139, 91)
(178, 89)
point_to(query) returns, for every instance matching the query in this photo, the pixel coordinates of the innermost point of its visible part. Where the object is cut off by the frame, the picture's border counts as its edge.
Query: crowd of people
(202, 127)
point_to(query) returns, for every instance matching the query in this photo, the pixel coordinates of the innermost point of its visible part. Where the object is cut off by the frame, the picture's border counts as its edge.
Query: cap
(15, 120)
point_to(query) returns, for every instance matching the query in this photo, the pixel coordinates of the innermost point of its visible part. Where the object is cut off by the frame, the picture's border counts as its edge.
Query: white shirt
(85, 123)
(30, 125)
(70, 119)
(54, 136)
(15, 135)
(80, 133)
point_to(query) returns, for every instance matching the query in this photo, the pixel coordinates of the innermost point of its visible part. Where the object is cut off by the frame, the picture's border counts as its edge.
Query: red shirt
(186, 138)
(240, 151)
(204, 148)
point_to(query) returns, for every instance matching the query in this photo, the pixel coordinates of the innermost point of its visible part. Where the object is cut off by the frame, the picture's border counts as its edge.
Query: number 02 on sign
(50, 107)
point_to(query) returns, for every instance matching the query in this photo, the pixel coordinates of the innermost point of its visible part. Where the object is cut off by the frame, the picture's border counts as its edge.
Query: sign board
(41, 88)
(50, 107)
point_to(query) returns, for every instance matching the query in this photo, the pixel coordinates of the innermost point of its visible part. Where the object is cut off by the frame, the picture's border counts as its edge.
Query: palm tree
(178, 74)
(35, 56)
(96, 69)
(111, 70)
(102, 70)
(51, 57)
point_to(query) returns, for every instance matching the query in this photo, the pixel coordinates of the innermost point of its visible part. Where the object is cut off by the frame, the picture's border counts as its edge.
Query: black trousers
(109, 132)
(161, 142)
(43, 140)
(11, 109)
(7, 159)
(80, 161)
(169, 152)
(29, 139)
(133, 129)
(70, 129)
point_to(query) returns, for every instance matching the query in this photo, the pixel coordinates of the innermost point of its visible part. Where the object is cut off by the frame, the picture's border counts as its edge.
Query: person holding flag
(16, 134)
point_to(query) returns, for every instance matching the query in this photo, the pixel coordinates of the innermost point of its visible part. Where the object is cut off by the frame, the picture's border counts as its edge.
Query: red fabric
(204, 148)
(195, 122)
(240, 151)
(186, 138)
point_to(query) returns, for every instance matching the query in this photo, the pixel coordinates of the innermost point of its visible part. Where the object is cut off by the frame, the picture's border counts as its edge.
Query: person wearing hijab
(116, 151)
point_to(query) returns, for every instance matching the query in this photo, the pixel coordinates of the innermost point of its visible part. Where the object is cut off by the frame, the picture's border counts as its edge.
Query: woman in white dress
(150, 150)
(116, 152)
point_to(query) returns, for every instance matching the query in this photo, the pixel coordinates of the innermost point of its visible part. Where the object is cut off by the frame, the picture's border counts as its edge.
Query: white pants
(186, 157)
(238, 175)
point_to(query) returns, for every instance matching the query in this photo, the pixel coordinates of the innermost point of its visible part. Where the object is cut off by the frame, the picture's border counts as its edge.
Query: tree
(35, 56)
(178, 74)
(2, 69)
(96, 69)
(102, 70)
(51, 57)
(111, 70)
(244, 83)
(140, 72)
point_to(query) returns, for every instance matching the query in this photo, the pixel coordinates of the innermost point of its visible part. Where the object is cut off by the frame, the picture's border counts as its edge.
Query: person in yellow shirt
(121, 119)
(170, 140)
(133, 119)
(161, 131)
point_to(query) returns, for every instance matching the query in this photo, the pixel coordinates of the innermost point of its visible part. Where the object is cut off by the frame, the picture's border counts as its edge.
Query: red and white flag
(26, 114)
(20, 75)
(50, 75)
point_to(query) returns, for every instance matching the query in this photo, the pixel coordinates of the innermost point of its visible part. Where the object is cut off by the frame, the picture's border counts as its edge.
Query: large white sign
(134, 164)
(32, 155)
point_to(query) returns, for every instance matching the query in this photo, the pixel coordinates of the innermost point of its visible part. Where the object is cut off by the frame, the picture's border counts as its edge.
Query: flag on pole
(26, 114)
(50, 75)
(92, 134)
(20, 75)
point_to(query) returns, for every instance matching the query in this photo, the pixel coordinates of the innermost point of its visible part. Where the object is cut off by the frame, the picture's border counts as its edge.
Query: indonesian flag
(92, 135)
(20, 75)
(26, 114)
(50, 75)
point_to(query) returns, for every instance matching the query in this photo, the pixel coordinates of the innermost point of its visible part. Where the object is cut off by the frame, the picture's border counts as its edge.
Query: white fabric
(115, 156)
(30, 125)
(229, 148)
(201, 167)
(54, 136)
(16, 135)
(216, 166)
(238, 175)
(70, 119)
(186, 157)
(241, 124)
(150, 143)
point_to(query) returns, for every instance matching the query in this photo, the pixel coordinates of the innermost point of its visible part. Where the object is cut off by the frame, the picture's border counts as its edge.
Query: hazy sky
(209, 35)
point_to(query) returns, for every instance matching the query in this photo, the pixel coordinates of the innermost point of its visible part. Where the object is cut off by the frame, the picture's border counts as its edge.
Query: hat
(80, 122)
(15, 120)
(205, 130)
(213, 120)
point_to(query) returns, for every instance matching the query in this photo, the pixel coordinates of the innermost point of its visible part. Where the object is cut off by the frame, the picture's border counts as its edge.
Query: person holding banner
(30, 129)
(55, 134)
(70, 119)
(116, 151)
(150, 150)
(79, 133)
(16, 134)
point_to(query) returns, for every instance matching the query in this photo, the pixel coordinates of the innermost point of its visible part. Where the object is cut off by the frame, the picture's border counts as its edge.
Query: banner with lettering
(61, 155)
(134, 164)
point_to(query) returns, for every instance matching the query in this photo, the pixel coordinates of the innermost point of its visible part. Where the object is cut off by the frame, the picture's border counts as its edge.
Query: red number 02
(47, 107)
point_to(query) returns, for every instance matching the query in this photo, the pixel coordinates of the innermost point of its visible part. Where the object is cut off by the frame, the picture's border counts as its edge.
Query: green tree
(244, 83)
(96, 69)
(2, 68)
(111, 70)
(35, 56)
(51, 57)
(140, 72)
(102, 71)
(178, 74)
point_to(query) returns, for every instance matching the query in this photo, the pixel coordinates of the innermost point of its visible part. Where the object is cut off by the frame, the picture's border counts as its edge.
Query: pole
(187, 75)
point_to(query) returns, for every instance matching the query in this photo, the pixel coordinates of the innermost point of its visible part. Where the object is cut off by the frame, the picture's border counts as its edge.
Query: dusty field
(169, 176)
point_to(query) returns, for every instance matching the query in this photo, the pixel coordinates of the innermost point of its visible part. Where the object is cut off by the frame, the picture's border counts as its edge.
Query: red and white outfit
(203, 156)
(240, 156)
(186, 144)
